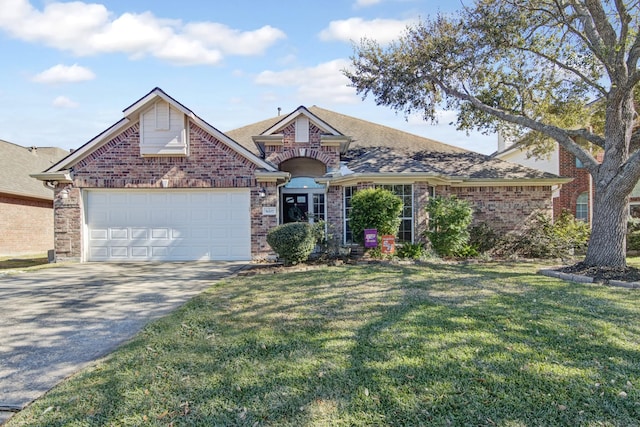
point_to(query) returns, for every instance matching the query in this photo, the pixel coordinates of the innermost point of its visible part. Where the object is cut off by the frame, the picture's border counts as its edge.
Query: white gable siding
(302, 129)
(163, 131)
(550, 164)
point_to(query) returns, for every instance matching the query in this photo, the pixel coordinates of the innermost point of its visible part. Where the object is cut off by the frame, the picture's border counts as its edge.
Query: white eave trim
(312, 117)
(535, 182)
(91, 146)
(63, 176)
(132, 116)
(233, 145)
(389, 178)
(134, 109)
(278, 176)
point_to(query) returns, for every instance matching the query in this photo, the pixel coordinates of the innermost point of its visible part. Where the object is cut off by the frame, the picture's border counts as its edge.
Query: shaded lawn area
(431, 344)
(22, 262)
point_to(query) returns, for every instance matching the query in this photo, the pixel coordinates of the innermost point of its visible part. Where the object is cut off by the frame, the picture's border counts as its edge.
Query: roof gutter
(389, 177)
(487, 182)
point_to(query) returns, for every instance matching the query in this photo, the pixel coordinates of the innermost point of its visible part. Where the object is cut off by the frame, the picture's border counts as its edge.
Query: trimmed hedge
(293, 242)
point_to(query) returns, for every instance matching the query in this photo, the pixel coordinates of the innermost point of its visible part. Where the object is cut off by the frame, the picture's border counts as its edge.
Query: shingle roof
(380, 149)
(362, 132)
(463, 164)
(17, 162)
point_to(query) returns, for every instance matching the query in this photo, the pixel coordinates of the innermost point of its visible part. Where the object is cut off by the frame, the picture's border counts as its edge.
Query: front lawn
(433, 344)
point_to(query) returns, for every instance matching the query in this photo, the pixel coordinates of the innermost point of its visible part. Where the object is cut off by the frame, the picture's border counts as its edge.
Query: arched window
(582, 207)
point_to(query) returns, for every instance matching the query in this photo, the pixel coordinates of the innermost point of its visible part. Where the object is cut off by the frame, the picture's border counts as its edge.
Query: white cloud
(234, 42)
(64, 102)
(89, 29)
(355, 29)
(366, 3)
(64, 74)
(324, 82)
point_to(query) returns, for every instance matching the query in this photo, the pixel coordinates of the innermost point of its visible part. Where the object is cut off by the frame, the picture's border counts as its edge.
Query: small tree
(374, 208)
(449, 220)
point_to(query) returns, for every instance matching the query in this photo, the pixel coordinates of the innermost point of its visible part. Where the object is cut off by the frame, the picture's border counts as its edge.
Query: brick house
(575, 196)
(26, 205)
(163, 184)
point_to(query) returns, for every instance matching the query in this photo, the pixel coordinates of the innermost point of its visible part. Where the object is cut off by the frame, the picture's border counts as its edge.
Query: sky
(69, 68)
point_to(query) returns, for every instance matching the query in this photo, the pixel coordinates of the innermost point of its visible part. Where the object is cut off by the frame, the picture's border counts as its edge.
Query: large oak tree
(563, 70)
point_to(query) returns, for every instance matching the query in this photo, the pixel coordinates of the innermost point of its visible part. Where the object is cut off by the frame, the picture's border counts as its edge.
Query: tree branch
(573, 70)
(561, 135)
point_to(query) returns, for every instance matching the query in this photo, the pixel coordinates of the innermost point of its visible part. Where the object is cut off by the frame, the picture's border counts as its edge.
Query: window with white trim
(405, 192)
(582, 207)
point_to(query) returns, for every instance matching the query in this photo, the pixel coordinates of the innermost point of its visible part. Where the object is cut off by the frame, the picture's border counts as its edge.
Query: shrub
(410, 250)
(542, 238)
(294, 241)
(374, 208)
(449, 220)
(633, 241)
(483, 238)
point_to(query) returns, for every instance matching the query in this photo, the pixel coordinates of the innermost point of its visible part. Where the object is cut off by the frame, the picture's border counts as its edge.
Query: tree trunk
(607, 245)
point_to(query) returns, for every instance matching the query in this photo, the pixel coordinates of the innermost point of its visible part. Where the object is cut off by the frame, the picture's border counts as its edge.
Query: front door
(295, 208)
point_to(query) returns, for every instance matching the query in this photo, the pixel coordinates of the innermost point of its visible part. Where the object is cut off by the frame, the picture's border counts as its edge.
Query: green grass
(29, 262)
(433, 344)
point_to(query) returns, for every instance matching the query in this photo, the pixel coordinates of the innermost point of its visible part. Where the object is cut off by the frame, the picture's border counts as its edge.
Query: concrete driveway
(55, 321)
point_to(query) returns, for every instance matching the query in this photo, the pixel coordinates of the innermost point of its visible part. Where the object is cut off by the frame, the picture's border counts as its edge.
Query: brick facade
(26, 226)
(503, 208)
(569, 192)
(118, 164)
(212, 163)
(313, 149)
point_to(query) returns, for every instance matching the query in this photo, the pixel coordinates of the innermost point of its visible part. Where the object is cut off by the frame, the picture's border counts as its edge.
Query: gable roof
(363, 133)
(379, 149)
(17, 162)
(131, 115)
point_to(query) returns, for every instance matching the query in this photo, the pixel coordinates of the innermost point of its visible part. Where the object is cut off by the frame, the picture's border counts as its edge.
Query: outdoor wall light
(64, 194)
(262, 192)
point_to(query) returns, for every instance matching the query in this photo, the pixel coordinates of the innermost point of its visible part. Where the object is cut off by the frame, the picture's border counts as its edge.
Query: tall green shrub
(374, 208)
(294, 241)
(449, 220)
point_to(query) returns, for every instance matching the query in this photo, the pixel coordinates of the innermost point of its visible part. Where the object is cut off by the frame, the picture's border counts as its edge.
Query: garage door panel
(168, 225)
(119, 252)
(139, 234)
(140, 252)
(99, 234)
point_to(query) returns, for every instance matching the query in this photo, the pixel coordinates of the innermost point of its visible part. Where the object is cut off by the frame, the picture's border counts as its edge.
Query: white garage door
(163, 225)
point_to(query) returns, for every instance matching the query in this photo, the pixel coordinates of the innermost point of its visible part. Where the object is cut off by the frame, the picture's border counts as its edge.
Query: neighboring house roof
(378, 149)
(17, 162)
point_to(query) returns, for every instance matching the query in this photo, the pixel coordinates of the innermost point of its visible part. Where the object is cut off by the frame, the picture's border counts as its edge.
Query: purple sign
(370, 238)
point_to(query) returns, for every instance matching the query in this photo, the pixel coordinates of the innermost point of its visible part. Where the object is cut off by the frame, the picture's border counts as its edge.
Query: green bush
(633, 224)
(483, 238)
(633, 241)
(449, 220)
(543, 238)
(374, 208)
(410, 250)
(294, 241)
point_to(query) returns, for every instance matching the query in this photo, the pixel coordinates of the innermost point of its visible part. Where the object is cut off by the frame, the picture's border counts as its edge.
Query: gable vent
(302, 129)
